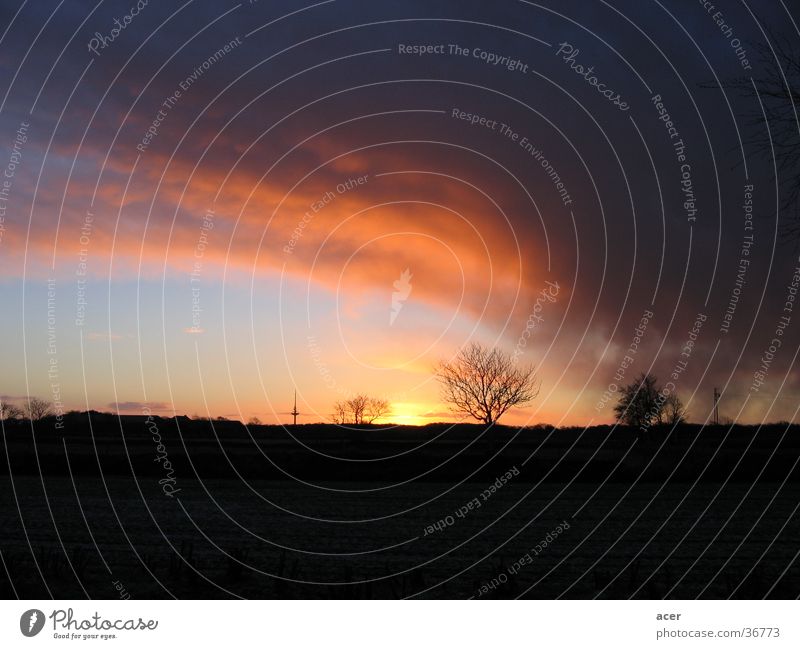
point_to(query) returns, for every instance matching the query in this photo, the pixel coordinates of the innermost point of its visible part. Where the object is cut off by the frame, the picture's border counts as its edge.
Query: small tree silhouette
(674, 411)
(484, 383)
(9, 411)
(360, 409)
(642, 403)
(638, 401)
(375, 409)
(38, 409)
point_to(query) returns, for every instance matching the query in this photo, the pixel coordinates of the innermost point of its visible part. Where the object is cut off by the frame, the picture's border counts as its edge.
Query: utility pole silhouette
(294, 412)
(717, 395)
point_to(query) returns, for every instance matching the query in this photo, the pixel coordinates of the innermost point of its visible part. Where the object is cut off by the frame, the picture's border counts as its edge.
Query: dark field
(693, 513)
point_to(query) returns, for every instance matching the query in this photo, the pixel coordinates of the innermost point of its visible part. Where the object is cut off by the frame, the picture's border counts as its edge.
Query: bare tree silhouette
(340, 412)
(38, 409)
(9, 411)
(775, 92)
(376, 408)
(484, 383)
(674, 412)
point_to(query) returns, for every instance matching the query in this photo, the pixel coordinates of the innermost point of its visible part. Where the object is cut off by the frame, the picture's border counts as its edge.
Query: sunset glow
(220, 235)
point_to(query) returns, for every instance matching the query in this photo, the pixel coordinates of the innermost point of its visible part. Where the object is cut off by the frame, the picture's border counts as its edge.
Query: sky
(210, 205)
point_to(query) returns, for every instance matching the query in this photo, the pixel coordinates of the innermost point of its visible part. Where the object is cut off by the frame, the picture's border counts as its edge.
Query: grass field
(694, 514)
